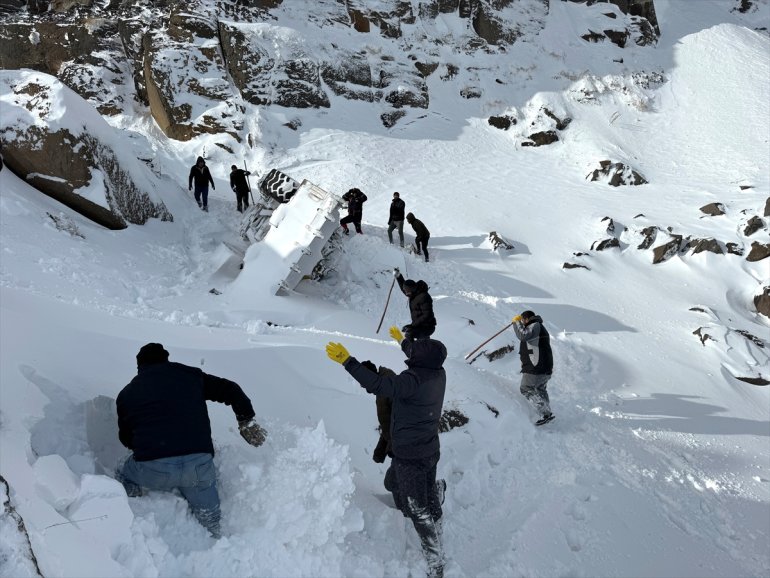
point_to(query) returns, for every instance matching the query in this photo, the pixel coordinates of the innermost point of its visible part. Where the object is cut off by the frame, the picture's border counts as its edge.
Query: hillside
(658, 463)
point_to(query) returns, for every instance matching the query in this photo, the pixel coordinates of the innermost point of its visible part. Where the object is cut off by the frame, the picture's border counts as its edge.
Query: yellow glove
(517, 319)
(396, 334)
(337, 352)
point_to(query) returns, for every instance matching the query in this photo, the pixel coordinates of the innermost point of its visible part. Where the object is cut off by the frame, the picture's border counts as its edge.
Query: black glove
(381, 451)
(252, 432)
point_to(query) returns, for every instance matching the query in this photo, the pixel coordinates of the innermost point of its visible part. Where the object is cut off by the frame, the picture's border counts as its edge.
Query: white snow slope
(658, 463)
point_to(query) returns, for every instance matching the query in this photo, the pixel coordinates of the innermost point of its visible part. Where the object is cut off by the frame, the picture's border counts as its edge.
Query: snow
(658, 463)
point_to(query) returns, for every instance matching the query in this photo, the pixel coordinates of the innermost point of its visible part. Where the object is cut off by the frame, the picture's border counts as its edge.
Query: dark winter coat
(417, 395)
(535, 347)
(420, 230)
(385, 411)
(355, 200)
(397, 207)
(200, 175)
(162, 412)
(238, 181)
(420, 305)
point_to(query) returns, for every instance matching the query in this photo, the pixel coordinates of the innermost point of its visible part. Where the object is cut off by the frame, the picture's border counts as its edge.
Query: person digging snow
(199, 173)
(422, 235)
(240, 187)
(355, 199)
(420, 307)
(536, 362)
(163, 420)
(417, 396)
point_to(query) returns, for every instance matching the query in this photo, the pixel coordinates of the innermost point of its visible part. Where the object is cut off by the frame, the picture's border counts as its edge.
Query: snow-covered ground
(658, 463)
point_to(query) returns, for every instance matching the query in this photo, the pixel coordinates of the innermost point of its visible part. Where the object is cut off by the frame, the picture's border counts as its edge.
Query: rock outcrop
(762, 302)
(713, 209)
(616, 174)
(71, 157)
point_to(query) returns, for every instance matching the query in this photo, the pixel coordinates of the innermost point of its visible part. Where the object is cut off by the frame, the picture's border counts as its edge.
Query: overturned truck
(296, 220)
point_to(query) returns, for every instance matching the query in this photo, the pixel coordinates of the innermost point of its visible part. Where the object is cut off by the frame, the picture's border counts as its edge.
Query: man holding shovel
(240, 187)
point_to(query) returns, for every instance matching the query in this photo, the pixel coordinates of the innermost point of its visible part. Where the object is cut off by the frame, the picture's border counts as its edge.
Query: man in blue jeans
(163, 419)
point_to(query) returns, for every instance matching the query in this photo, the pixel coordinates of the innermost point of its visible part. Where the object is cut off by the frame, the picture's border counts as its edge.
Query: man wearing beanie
(536, 362)
(163, 420)
(420, 307)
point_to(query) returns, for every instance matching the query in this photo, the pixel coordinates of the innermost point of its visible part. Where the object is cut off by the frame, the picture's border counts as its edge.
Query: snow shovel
(386, 305)
(487, 341)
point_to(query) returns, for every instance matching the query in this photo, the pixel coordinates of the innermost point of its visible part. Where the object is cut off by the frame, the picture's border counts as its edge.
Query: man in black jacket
(417, 396)
(199, 173)
(536, 362)
(355, 199)
(240, 187)
(396, 219)
(163, 419)
(420, 307)
(422, 235)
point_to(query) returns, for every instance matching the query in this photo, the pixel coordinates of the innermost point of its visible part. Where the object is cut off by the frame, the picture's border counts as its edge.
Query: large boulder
(753, 225)
(758, 251)
(71, 157)
(709, 245)
(667, 250)
(713, 209)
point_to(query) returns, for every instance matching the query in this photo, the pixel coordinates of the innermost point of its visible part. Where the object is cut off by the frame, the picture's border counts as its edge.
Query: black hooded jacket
(238, 181)
(397, 207)
(420, 304)
(420, 230)
(355, 199)
(201, 176)
(417, 394)
(162, 412)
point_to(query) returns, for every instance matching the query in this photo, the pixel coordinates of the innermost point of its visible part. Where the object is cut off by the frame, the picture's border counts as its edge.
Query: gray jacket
(417, 394)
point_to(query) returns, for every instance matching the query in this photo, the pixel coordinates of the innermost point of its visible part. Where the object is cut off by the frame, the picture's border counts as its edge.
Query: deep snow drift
(658, 463)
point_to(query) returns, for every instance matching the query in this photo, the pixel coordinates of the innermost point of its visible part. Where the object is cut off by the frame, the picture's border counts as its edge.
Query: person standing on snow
(420, 307)
(355, 199)
(422, 235)
(240, 187)
(536, 362)
(163, 420)
(199, 173)
(417, 395)
(396, 219)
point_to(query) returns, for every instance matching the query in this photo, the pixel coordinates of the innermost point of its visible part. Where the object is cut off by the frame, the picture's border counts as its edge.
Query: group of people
(163, 418)
(164, 421)
(200, 178)
(355, 199)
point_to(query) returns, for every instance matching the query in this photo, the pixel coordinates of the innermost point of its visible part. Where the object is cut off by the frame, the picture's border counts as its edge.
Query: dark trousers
(355, 219)
(413, 484)
(419, 332)
(202, 196)
(243, 199)
(421, 243)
